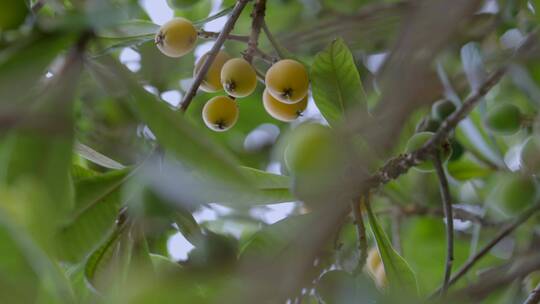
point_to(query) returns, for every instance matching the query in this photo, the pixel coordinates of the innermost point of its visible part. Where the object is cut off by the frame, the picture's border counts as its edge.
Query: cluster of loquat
(285, 96)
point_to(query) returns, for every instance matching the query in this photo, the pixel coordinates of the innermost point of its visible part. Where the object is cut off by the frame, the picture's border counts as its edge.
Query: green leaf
(178, 136)
(466, 168)
(24, 63)
(130, 29)
(94, 156)
(273, 239)
(265, 180)
(38, 149)
(400, 276)
(26, 272)
(109, 260)
(335, 82)
(98, 201)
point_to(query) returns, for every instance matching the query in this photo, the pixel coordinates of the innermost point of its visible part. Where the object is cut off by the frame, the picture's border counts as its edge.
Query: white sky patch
(179, 247)
(375, 61)
(49, 75)
(131, 59)
(205, 214)
(216, 25)
(511, 158)
(274, 167)
(489, 7)
(151, 89)
(172, 97)
(264, 135)
(158, 10)
(271, 214)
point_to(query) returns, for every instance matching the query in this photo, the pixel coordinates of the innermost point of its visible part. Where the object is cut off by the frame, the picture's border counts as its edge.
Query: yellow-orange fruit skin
(176, 37)
(287, 80)
(283, 111)
(238, 77)
(220, 113)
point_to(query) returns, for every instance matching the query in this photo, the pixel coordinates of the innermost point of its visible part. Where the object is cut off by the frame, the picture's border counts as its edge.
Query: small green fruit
(12, 14)
(310, 148)
(530, 155)
(417, 141)
(504, 119)
(442, 109)
(514, 193)
(428, 124)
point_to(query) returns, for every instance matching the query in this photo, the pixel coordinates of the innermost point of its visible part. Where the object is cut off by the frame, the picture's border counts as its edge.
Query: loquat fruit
(287, 80)
(238, 77)
(283, 111)
(220, 113)
(176, 37)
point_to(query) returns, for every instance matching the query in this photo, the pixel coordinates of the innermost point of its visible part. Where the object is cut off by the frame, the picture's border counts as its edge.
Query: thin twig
(402, 163)
(259, 9)
(534, 296)
(273, 41)
(214, 35)
(522, 218)
(227, 28)
(356, 207)
(447, 207)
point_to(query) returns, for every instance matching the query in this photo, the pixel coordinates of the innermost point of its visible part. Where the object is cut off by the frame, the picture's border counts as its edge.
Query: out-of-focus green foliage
(111, 194)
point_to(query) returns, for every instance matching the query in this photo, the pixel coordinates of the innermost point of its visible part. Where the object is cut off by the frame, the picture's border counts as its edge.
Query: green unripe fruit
(530, 155)
(310, 146)
(316, 163)
(504, 119)
(12, 14)
(417, 141)
(514, 194)
(442, 109)
(428, 124)
(181, 4)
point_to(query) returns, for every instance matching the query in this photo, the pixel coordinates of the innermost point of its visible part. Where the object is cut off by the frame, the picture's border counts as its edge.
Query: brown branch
(227, 28)
(402, 163)
(447, 207)
(522, 218)
(214, 35)
(356, 207)
(259, 9)
(534, 296)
